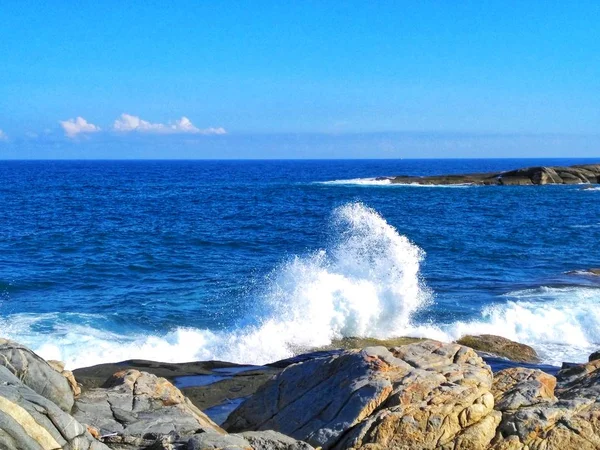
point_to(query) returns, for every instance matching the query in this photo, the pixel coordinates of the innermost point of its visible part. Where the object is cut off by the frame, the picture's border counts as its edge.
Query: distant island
(577, 174)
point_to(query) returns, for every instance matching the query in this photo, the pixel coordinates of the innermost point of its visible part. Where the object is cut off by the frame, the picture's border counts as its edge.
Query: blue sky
(299, 79)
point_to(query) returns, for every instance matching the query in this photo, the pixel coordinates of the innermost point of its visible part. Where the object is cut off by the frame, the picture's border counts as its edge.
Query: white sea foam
(366, 283)
(387, 182)
(561, 323)
(360, 182)
(590, 225)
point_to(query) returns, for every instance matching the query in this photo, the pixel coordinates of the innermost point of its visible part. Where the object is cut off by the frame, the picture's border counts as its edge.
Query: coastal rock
(517, 387)
(500, 346)
(537, 420)
(136, 409)
(262, 440)
(216, 441)
(578, 174)
(230, 381)
(29, 421)
(59, 366)
(422, 395)
(272, 440)
(36, 373)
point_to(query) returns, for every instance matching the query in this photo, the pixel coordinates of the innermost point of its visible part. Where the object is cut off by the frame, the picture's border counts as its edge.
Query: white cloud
(73, 127)
(126, 123)
(3, 136)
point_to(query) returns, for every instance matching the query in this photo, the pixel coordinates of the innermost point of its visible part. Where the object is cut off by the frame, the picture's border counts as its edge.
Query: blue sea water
(254, 261)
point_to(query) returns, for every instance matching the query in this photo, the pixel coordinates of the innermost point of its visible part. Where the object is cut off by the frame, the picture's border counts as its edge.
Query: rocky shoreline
(399, 394)
(577, 174)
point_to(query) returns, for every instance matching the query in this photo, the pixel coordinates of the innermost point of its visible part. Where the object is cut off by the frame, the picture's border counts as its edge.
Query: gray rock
(272, 440)
(215, 441)
(36, 373)
(29, 421)
(136, 409)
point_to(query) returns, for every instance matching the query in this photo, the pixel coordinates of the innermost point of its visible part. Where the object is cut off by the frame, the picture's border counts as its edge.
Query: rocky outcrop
(133, 409)
(517, 387)
(499, 346)
(423, 395)
(30, 421)
(537, 416)
(36, 373)
(586, 174)
(228, 381)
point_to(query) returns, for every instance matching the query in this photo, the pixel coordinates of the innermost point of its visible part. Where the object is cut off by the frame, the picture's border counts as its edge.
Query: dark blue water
(211, 259)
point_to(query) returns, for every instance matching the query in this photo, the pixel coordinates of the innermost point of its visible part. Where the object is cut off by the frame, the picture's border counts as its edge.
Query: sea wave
(359, 181)
(366, 283)
(383, 181)
(561, 323)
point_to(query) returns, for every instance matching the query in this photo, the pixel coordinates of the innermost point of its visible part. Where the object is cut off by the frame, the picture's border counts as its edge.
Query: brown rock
(569, 421)
(519, 386)
(422, 395)
(500, 346)
(59, 366)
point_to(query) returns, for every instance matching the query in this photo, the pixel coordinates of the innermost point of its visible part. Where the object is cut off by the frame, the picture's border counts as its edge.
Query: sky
(299, 79)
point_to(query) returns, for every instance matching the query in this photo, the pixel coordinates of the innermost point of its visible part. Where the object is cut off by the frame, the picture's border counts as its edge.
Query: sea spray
(364, 283)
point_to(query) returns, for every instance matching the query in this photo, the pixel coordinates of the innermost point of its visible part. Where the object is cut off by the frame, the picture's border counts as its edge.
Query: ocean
(255, 261)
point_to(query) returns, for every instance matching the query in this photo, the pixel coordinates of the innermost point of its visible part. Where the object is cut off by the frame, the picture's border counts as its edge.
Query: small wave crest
(561, 323)
(359, 181)
(384, 181)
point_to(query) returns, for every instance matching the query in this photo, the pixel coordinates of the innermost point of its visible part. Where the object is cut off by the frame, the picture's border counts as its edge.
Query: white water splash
(365, 284)
(359, 182)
